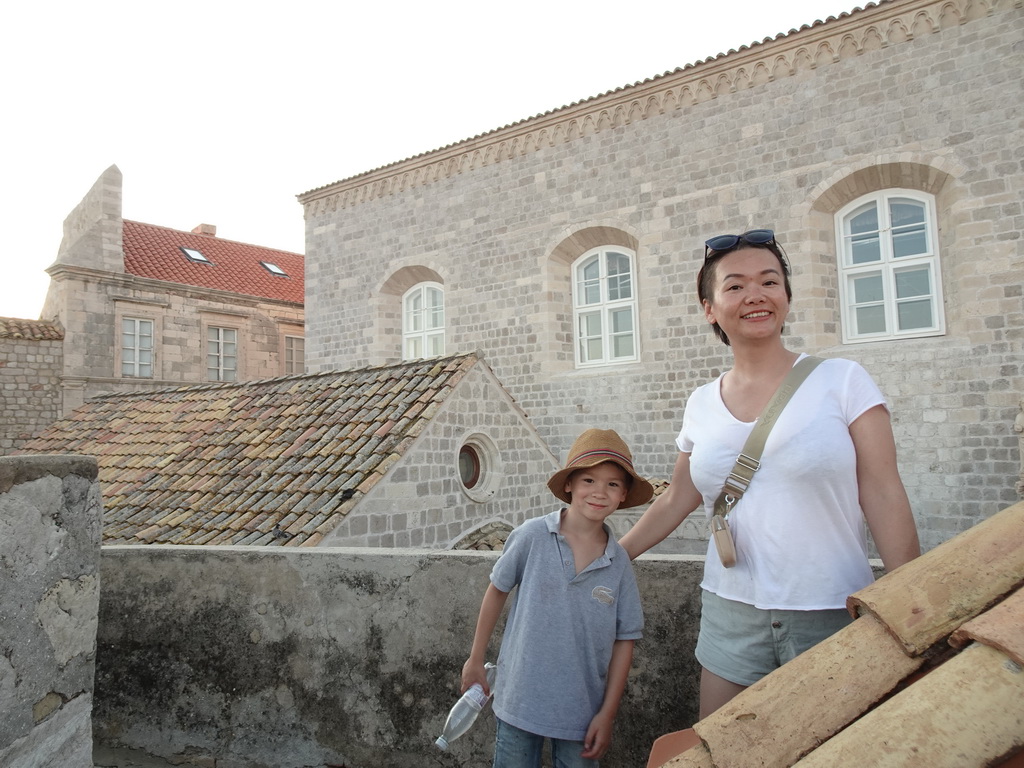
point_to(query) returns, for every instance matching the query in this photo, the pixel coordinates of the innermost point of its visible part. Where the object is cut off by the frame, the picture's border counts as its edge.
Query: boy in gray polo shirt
(568, 640)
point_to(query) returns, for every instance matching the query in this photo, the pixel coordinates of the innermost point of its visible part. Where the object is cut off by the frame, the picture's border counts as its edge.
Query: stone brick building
(145, 307)
(31, 360)
(883, 147)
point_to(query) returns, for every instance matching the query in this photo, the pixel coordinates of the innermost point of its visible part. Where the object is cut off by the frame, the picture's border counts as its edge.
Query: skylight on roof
(193, 255)
(273, 268)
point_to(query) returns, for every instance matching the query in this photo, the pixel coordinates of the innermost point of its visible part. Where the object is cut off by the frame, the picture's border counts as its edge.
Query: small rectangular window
(221, 354)
(294, 354)
(137, 348)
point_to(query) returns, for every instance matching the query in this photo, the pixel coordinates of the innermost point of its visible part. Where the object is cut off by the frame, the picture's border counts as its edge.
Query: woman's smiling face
(750, 299)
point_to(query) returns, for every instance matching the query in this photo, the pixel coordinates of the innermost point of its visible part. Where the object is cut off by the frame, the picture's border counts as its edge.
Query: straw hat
(596, 446)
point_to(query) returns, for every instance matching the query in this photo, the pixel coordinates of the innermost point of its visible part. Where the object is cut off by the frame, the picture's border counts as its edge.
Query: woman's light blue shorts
(742, 644)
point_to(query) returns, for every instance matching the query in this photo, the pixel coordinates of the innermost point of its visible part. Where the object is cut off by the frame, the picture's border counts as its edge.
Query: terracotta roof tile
(945, 587)
(155, 252)
(1002, 627)
(929, 674)
(253, 462)
(34, 330)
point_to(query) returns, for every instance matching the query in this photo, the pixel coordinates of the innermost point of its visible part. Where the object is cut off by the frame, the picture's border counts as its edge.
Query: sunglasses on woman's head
(728, 242)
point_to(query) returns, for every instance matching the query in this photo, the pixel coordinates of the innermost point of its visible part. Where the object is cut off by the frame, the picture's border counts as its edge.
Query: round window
(469, 466)
(478, 469)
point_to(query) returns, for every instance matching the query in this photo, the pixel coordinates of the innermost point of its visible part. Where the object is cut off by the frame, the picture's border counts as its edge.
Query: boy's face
(597, 491)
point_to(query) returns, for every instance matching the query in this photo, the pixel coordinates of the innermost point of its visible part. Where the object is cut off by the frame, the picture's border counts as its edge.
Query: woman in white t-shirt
(828, 466)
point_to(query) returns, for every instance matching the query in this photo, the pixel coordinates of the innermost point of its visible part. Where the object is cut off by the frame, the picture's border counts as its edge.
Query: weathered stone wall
(917, 94)
(49, 600)
(30, 396)
(285, 658)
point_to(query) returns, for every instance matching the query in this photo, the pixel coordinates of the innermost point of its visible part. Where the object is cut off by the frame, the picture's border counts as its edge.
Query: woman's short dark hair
(706, 275)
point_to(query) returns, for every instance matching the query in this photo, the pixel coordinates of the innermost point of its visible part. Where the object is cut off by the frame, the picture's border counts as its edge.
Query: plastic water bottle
(464, 713)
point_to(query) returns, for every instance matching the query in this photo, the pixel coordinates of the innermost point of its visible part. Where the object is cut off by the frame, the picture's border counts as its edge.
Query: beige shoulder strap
(749, 459)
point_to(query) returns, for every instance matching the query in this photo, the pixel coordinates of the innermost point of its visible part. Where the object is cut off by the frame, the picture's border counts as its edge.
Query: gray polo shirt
(561, 627)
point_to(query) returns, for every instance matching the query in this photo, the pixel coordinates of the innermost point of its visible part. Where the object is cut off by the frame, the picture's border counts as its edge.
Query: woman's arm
(490, 609)
(882, 495)
(599, 733)
(666, 513)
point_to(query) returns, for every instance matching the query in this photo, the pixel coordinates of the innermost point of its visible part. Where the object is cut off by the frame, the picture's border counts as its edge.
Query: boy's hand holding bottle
(473, 671)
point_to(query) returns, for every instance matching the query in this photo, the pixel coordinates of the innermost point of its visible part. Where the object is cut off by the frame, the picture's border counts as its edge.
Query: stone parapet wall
(49, 600)
(277, 658)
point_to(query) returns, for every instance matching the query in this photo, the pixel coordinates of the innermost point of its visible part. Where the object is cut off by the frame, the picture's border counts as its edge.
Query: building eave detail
(865, 29)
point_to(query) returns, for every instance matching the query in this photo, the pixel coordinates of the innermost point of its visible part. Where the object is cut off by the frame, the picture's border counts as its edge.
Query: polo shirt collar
(553, 521)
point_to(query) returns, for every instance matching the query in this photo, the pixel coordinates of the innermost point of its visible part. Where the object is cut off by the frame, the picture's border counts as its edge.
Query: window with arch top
(889, 278)
(604, 306)
(423, 321)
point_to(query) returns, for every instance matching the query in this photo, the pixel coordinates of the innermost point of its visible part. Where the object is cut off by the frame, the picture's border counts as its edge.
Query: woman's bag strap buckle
(742, 473)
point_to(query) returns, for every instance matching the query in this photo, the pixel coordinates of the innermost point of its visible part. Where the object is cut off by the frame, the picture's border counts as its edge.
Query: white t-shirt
(799, 529)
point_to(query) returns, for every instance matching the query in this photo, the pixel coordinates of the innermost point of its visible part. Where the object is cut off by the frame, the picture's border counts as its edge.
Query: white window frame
(598, 297)
(221, 348)
(133, 354)
(887, 268)
(294, 354)
(423, 323)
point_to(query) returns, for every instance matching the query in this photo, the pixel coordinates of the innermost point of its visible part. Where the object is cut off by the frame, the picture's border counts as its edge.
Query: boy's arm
(490, 609)
(599, 734)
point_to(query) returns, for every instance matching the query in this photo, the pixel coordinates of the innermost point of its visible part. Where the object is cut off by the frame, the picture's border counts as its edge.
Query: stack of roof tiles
(931, 673)
(35, 330)
(274, 462)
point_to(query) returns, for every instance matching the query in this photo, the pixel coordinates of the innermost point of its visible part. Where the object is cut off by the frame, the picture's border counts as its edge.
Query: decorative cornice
(129, 282)
(876, 26)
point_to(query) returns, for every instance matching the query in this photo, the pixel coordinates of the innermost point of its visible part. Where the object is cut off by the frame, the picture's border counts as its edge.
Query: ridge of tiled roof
(155, 252)
(929, 674)
(273, 462)
(35, 330)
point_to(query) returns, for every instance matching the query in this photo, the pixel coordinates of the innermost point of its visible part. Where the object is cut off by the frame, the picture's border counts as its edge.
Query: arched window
(890, 283)
(604, 307)
(423, 321)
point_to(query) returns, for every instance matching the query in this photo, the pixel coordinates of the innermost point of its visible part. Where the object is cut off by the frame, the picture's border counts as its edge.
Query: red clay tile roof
(36, 330)
(930, 674)
(275, 462)
(155, 252)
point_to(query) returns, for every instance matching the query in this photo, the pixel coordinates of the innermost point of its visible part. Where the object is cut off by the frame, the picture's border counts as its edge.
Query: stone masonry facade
(30, 368)
(913, 95)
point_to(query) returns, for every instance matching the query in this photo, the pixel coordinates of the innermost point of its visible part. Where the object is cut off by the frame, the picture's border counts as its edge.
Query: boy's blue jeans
(514, 748)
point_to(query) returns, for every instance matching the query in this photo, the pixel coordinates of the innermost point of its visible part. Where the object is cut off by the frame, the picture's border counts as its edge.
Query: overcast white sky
(222, 111)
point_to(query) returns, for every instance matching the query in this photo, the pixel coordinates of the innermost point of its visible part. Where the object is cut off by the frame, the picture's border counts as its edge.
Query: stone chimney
(206, 229)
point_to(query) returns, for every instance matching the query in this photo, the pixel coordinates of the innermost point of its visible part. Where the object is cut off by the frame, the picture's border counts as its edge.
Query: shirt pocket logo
(603, 595)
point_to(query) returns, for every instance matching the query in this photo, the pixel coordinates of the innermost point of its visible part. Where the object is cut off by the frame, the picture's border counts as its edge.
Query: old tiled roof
(155, 252)
(931, 673)
(36, 330)
(276, 462)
